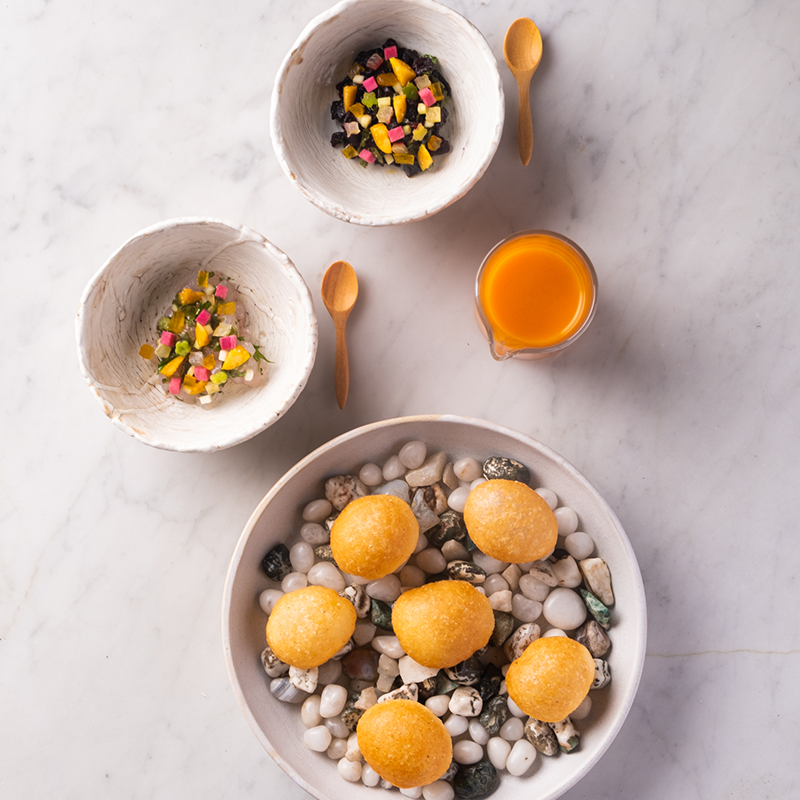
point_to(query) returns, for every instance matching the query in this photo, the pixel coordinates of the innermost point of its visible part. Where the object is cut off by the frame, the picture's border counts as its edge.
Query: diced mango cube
(236, 357)
(188, 296)
(349, 152)
(400, 104)
(403, 72)
(226, 308)
(209, 361)
(202, 279)
(433, 114)
(434, 143)
(171, 367)
(176, 322)
(349, 96)
(380, 133)
(201, 335)
(404, 158)
(419, 133)
(146, 351)
(424, 157)
(357, 110)
(438, 91)
(198, 387)
(386, 79)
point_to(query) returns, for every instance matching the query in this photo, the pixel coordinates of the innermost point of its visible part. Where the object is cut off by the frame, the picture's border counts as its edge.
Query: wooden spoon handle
(341, 376)
(525, 123)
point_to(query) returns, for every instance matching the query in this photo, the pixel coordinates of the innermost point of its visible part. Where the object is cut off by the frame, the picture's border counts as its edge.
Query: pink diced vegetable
(168, 338)
(202, 374)
(175, 384)
(227, 342)
(203, 317)
(370, 84)
(374, 61)
(389, 52)
(221, 292)
(426, 95)
(396, 134)
(367, 156)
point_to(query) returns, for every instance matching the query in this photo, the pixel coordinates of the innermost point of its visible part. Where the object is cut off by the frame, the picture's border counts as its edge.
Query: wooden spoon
(522, 50)
(339, 293)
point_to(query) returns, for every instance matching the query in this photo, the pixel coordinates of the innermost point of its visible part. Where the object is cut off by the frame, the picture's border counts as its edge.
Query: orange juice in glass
(535, 294)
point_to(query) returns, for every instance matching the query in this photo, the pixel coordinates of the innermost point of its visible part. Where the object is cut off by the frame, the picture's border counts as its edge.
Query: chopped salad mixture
(391, 109)
(199, 348)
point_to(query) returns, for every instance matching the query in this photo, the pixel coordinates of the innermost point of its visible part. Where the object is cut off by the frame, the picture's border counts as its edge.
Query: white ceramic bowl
(123, 301)
(305, 88)
(278, 516)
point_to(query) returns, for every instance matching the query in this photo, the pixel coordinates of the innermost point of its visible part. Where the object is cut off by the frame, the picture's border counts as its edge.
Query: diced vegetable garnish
(424, 158)
(168, 338)
(349, 152)
(381, 137)
(226, 308)
(426, 95)
(396, 134)
(402, 71)
(374, 61)
(202, 279)
(219, 378)
(169, 369)
(146, 351)
(204, 317)
(370, 84)
(390, 52)
(175, 385)
(221, 292)
(201, 336)
(188, 296)
(177, 321)
(367, 156)
(349, 96)
(202, 374)
(236, 358)
(227, 342)
(183, 348)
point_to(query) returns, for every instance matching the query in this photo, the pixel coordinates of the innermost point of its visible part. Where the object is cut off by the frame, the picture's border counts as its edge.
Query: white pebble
(337, 748)
(579, 545)
(302, 557)
(553, 632)
(349, 770)
(477, 732)
(567, 572)
(268, 598)
(325, 574)
(368, 775)
(414, 792)
(533, 588)
(332, 700)
(466, 702)
(564, 609)
(412, 454)
(548, 495)
(456, 725)
(317, 738)
(467, 752)
(353, 750)
(412, 577)
(370, 475)
(501, 601)
(567, 520)
(468, 469)
(521, 757)
(525, 609)
(388, 645)
(315, 534)
(495, 583)
(515, 709)
(438, 704)
(512, 729)
(476, 482)
(431, 561)
(329, 672)
(498, 749)
(364, 632)
(438, 790)
(386, 589)
(317, 510)
(393, 469)
(584, 709)
(413, 672)
(488, 564)
(309, 713)
(458, 498)
(294, 581)
(338, 728)
(422, 543)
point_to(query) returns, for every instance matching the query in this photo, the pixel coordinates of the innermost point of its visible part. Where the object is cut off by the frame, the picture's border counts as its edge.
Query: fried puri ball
(308, 626)
(508, 521)
(374, 535)
(442, 623)
(551, 678)
(405, 743)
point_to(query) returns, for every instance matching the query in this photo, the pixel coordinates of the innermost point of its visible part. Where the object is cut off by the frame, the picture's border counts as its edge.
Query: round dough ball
(405, 743)
(509, 521)
(374, 535)
(442, 623)
(551, 678)
(308, 626)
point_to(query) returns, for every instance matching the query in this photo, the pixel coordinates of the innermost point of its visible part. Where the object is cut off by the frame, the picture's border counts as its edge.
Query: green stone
(600, 612)
(503, 628)
(381, 615)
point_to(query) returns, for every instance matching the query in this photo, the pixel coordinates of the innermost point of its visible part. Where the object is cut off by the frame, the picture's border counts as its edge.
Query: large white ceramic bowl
(123, 301)
(278, 518)
(305, 88)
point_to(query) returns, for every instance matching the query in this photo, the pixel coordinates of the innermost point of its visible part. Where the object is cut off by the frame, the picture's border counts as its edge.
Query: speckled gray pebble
(324, 553)
(476, 780)
(381, 615)
(466, 673)
(602, 674)
(276, 563)
(592, 636)
(273, 666)
(283, 690)
(507, 469)
(566, 734)
(541, 736)
(466, 571)
(503, 627)
(358, 596)
(451, 527)
(494, 714)
(351, 714)
(343, 489)
(490, 682)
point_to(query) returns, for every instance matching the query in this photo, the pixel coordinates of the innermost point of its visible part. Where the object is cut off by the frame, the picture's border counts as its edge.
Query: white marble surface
(666, 144)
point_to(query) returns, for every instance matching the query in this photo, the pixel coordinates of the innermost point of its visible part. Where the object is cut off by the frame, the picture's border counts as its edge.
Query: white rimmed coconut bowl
(124, 300)
(278, 518)
(301, 124)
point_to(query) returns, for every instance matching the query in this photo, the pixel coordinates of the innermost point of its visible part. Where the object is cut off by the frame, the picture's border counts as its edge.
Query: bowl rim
(638, 611)
(321, 21)
(305, 300)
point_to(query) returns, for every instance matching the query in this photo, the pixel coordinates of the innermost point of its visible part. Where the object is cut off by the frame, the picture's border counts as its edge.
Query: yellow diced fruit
(404, 158)
(189, 381)
(424, 157)
(146, 351)
(423, 82)
(188, 296)
(357, 110)
(349, 97)
(380, 133)
(235, 357)
(437, 91)
(386, 79)
(433, 114)
(202, 279)
(176, 321)
(226, 308)
(209, 361)
(400, 104)
(349, 152)
(419, 133)
(198, 387)
(201, 335)
(385, 114)
(403, 72)
(171, 367)
(434, 143)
